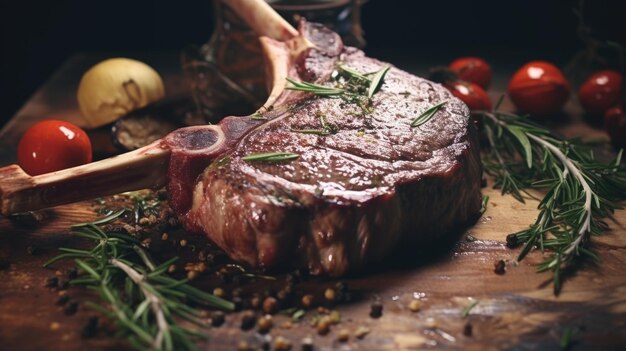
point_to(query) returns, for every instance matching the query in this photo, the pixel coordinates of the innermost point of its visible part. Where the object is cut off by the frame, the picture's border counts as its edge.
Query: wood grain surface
(515, 310)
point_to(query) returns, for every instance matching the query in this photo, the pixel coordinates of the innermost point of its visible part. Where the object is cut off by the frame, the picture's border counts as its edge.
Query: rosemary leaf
(519, 134)
(352, 73)
(466, 311)
(316, 89)
(270, 157)
(377, 81)
(427, 115)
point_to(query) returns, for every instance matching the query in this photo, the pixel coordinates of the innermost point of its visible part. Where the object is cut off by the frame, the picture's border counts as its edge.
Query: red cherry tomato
(472, 69)
(539, 88)
(600, 91)
(53, 145)
(471, 94)
(615, 125)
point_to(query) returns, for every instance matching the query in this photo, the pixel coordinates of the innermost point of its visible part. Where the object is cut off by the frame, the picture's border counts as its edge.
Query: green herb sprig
(327, 128)
(579, 190)
(356, 84)
(270, 157)
(427, 115)
(143, 301)
(316, 89)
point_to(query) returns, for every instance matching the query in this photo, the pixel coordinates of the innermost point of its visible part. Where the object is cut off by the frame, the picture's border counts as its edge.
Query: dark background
(37, 36)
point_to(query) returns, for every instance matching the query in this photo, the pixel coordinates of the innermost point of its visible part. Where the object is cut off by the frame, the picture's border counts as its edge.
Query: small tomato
(615, 125)
(472, 69)
(471, 94)
(539, 88)
(600, 91)
(52, 145)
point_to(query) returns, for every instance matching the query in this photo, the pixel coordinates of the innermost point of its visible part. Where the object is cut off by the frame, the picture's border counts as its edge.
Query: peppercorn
(307, 300)
(361, 332)
(499, 267)
(243, 346)
(237, 303)
(248, 320)
(265, 323)
(191, 275)
(183, 243)
(512, 241)
(415, 305)
(467, 329)
(329, 294)
(323, 325)
(282, 344)
(91, 328)
(219, 292)
(335, 317)
(51, 282)
(255, 302)
(165, 236)
(343, 335)
(72, 273)
(376, 309)
(217, 318)
(307, 344)
(270, 305)
(63, 284)
(71, 308)
(62, 300)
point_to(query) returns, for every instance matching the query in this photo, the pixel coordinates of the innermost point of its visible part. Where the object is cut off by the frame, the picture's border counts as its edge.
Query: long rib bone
(148, 167)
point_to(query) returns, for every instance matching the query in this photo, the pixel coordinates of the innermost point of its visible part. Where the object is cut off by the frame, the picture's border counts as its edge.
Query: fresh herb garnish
(316, 89)
(427, 115)
(142, 300)
(377, 81)
(270, 157)
(326, 129)
(466, 311)
(580, 191)
(355, 84)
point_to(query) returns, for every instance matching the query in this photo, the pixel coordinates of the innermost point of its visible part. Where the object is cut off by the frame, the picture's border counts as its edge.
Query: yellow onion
(115, 87)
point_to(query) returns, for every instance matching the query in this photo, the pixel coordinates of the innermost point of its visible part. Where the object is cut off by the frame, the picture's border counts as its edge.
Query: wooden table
(516, 310)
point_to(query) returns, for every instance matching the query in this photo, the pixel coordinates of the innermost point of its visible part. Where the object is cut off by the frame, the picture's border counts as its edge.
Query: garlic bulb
(115, 87)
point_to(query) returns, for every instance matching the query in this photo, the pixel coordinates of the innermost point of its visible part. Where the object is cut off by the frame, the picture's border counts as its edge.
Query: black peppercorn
(248, 320)
(499, 267)
(217, 318)
(91, 328)
(62, 300)
(72, 273)
(512, 241)
(467, 329)
(376, 309)
(63, 284)
(52, 282)
(71, 308)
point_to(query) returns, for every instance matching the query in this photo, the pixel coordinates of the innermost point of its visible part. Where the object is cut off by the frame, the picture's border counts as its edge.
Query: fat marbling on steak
(351, 196)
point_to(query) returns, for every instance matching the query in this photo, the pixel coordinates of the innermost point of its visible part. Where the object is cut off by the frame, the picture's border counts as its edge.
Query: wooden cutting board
(516, 310)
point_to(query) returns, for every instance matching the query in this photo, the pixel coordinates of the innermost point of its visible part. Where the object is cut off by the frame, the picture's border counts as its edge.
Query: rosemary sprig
(143, 301)
(355, 85)
(580, 191)
(270, 157)
(326, 129)
(377, 81)
(427, 115)
(316, 89)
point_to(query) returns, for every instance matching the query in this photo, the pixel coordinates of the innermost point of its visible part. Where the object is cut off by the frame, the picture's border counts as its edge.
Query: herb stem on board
(579, 190)
(139, 296)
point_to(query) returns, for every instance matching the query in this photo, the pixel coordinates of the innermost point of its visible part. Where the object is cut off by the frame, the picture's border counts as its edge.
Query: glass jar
(226, 74)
